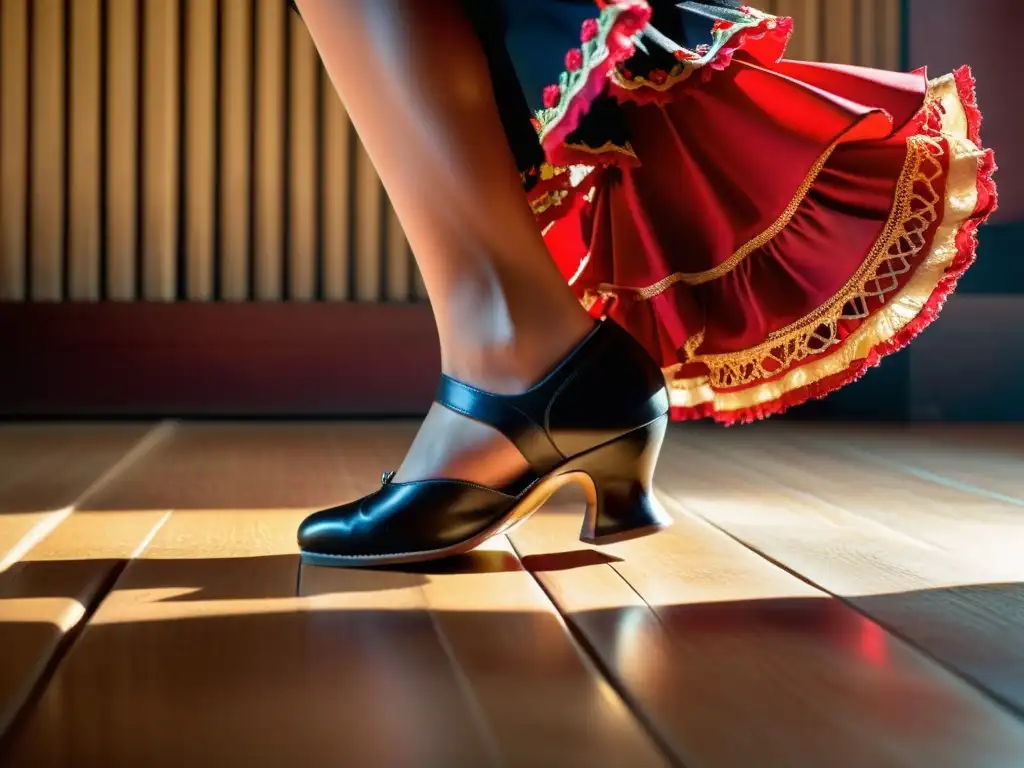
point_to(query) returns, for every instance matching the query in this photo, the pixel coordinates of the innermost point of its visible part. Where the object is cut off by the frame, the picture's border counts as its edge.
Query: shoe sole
(518, 515)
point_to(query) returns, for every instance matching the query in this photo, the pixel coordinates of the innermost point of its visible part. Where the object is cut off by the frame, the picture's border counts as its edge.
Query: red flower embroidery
(589, 30)
(658, 76)
(722, 24)
(626, 73)
(573, 60)
(747, 10)
(684, 55)
(703, 49)
(535, 123)
(552, 95)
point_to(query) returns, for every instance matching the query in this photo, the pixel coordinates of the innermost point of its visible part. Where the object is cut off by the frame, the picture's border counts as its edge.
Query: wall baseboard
(224, 360)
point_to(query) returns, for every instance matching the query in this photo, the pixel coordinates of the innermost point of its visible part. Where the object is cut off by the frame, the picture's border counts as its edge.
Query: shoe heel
(620, 498)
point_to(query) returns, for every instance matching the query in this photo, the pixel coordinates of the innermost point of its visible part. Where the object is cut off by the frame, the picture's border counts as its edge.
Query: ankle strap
(501, 413)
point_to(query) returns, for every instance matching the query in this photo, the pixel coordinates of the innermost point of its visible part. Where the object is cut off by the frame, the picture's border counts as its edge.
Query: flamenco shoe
(597, 419)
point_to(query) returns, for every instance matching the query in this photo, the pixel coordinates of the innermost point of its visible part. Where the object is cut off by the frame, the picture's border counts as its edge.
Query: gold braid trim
(902, 239)
(697, 278)
(816, 333)
(609, 146)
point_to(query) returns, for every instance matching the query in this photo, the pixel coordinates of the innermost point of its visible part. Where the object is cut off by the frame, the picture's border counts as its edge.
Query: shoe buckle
(386, 477)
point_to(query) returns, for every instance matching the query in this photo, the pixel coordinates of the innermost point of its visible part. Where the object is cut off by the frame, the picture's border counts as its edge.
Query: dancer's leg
(416, 85)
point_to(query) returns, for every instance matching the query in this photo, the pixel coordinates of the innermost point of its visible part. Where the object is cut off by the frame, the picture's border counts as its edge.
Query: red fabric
(718, 164)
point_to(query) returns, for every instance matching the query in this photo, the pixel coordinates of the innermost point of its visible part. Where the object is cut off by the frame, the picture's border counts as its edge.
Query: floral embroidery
(552, 95)
(727, 37)
(606, 41)
(573, 60)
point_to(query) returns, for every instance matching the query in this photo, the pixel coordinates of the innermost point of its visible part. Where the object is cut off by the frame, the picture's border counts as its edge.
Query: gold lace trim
(902, 239)
(698, 278)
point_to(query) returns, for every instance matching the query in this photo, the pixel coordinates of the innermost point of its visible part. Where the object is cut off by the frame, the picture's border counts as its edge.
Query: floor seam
(991, 696)
(587, 651)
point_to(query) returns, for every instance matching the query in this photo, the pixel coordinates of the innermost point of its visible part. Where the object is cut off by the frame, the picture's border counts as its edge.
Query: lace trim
(950, 115)
(903, 238)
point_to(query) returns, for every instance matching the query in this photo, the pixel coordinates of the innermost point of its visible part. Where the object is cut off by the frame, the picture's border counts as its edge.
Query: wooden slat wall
(194, 150)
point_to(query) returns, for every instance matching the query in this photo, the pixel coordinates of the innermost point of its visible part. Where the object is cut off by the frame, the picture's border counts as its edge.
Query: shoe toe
(326, 531)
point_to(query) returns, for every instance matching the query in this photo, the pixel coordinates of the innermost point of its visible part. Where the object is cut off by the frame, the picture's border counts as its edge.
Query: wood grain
(200, 153)
(55, 563)
(702, 634)
(49, 466)
(207, 655)
(270, 160)
(122, 150)
(45, 469)
(85, 141)
(14, 142)
(46, 150)
(235, 148)
(938, 565)
(47, 594)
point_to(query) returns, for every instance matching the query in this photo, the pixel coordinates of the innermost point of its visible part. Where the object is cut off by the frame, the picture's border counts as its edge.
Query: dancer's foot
(597, 419)
(450, 445)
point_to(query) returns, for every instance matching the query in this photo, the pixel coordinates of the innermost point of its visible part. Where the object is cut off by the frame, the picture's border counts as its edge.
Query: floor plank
(47, 593)
(253, 465)
(55, 563)
(538, 700)
(939, 566)
(987, 460)
(45, 468)
(205, 655)
(737, 662)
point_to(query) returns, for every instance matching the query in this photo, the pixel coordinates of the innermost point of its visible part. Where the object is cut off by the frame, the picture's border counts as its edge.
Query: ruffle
(606, 42)
(763, 38)
(597, 69)
(939, 249)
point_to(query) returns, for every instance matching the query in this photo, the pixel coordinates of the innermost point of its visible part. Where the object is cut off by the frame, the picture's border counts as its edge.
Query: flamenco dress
(767, 229)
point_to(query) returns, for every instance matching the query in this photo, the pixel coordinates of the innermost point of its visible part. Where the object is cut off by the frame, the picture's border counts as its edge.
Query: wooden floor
(847, 597)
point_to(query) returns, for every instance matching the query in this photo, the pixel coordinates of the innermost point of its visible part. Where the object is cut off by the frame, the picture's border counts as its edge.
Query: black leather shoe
(597, 419)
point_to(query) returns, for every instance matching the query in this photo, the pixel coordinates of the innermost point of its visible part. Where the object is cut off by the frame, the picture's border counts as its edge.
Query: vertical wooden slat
(200, 147)
(122, 153)
(867, 34)
(235, 154)
(890, 33)
(806, 14)
(397, 258)
(47, 225)
(269, 170)
(839, 32)
(369, 197)
(160, 125)
(302, 162)
(84, 167)
(335, 194)
(14, 128)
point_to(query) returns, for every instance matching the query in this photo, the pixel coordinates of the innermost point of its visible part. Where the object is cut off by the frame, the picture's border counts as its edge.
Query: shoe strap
(501, 413)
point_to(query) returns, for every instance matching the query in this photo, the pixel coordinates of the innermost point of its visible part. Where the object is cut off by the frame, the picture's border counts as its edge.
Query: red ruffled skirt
(767, 228)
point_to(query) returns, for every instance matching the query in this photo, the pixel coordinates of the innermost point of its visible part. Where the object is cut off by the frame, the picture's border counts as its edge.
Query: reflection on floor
(849, 597)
